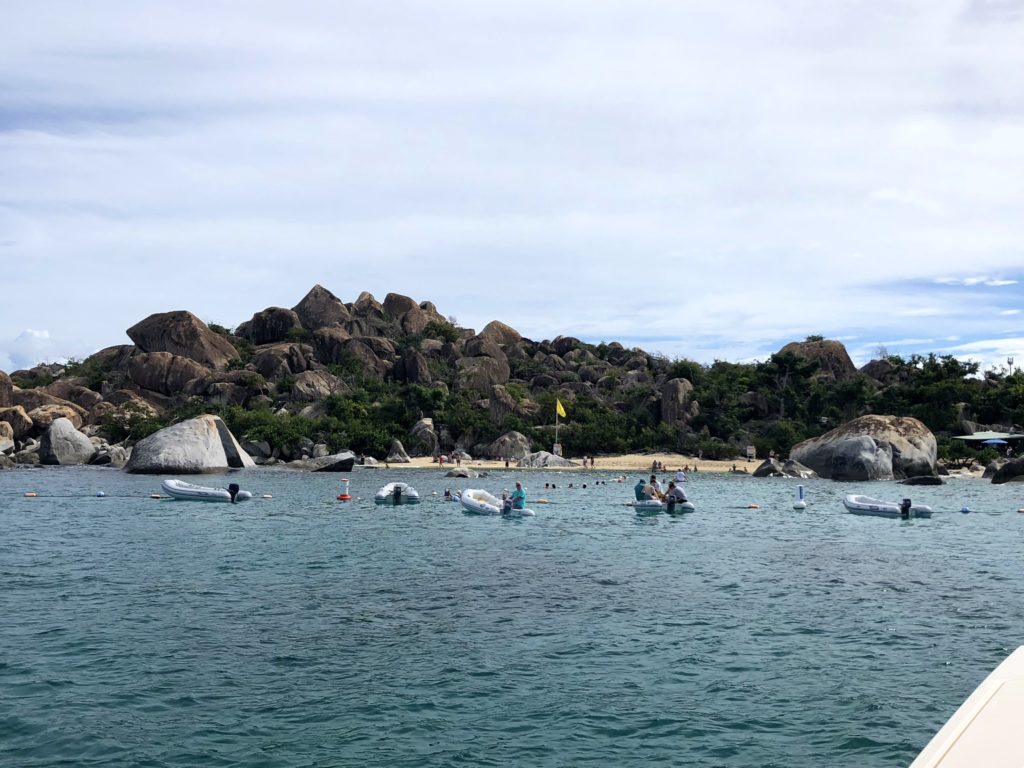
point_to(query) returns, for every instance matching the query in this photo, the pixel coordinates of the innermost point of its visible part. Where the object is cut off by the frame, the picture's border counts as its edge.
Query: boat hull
(654, 507)
(386, 495)
(478, 502)
(182, 491)
(870, 507)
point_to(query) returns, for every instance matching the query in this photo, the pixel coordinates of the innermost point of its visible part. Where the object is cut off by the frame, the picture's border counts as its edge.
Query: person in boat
(638, 489)
(675, 493)
(518, 497)
(657, 487)
(650, 491)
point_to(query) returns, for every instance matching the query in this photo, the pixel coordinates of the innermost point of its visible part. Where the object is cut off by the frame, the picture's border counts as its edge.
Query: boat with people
(984, 730)
(866, 505)
(657, 506)
(179, 489)
(396, 494)
(480, 502)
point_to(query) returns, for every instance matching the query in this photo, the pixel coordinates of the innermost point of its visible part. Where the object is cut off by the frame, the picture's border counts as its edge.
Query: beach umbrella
(994, 441)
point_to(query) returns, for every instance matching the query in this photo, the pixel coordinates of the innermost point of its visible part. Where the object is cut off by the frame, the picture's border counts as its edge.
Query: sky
(704, 179)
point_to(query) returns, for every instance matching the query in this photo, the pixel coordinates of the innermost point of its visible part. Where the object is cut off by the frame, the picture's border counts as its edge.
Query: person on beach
(638, 489)
(519, 497)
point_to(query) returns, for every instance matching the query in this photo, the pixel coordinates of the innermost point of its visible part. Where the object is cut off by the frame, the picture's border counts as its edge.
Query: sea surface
(301, 631)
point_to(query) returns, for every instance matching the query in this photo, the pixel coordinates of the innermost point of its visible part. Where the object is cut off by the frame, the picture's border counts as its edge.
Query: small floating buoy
(965, 510)
(155, 496)
(753, 506)
(1021, 510)
(267, 496)
(344, 495)
(799, 503)
(31, 494)
(100, 493)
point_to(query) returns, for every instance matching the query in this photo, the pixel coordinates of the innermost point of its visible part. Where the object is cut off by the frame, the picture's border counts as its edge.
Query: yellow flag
(559, 409)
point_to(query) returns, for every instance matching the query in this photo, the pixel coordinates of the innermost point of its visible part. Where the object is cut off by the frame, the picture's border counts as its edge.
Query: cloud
(719, 177)
(27, 349)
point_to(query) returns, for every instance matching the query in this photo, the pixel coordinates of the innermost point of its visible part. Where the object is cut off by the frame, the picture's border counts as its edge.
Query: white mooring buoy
(799, 503)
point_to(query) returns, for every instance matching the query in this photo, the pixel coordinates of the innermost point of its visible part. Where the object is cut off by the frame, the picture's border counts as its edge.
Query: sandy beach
(632, 463)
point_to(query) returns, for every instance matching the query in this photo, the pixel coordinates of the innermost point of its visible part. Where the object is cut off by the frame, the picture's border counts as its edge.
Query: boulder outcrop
(6, 387)
(677, 403)
(423, 438)
(544, 459)
(164, 372)
(1010, 472)
(833, 360)
(336, 462)
(320, 309)
(871, 448)
(63, 444)
(182, 333)
(511, 445)
(202, 444)
(397, 454)
(21, 424)
(272, 325)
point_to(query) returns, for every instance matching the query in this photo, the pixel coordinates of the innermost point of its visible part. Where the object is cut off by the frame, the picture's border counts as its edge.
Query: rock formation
(202, 444)
(63, 444)
(182, 333)
(871, 448)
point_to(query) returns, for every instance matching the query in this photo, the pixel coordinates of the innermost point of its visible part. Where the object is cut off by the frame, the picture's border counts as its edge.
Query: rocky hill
(362, 375)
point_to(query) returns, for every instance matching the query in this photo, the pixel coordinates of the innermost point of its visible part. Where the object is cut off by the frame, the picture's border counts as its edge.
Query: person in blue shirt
(638, 489)
(519, 497)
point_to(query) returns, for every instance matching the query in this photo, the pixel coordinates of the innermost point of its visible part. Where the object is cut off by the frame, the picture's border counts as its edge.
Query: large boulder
(1010, 472)
(276, 361)
(480, 374)
(503, 335)
(272, 325)
(63, 444)
(329, 344)
(511, 445)
(336, 462)
(871, 448)
(312, 386)
(677, 403)
(6, 438)
(182, 333)
(202, 444)
(397, 454)
(6, 387)
(423, 438)
(320, 308)
(164, 372)
(67, 390)
(833, 360)
(542, 459)
(44, 416)
(21, 424)
(412, 368)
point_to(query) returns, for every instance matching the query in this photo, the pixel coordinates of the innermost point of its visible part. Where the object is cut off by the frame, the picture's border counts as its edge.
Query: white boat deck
(985, 732)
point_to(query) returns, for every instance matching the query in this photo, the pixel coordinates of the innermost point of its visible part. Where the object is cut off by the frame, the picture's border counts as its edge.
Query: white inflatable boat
(479, 502)
(179, 489)
(655, 506)
(866, 505)
(397, 493)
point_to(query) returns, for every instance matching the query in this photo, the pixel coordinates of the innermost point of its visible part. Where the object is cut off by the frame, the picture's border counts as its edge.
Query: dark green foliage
(92, 371)
(440, 330)
(298, 335)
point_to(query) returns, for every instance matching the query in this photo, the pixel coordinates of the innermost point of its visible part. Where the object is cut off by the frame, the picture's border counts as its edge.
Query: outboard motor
(233, 490)
(905, 509)
(671, 504)
(398, 494)
(506, 507)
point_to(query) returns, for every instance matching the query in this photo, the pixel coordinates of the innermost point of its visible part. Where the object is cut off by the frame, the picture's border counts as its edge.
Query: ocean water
(300, 631)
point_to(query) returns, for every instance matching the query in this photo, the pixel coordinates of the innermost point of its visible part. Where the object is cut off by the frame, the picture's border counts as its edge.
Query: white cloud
(722, 176)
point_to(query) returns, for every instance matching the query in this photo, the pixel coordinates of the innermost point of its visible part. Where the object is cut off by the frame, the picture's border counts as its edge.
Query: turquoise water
(299, 631)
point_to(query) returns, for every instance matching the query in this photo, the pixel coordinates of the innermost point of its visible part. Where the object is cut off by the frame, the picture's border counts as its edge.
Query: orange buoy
(31, 494)
(753, 506)
(344, 495)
